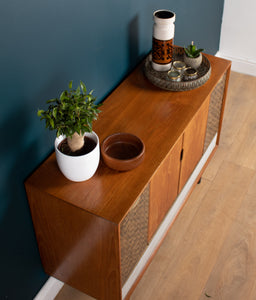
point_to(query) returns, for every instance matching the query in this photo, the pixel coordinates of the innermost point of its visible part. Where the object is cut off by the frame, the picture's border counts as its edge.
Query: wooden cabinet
(175, 170)
(100, 235)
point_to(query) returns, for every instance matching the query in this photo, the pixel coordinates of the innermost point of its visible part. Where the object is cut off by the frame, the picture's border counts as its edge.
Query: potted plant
(193, 56)
(76, 145)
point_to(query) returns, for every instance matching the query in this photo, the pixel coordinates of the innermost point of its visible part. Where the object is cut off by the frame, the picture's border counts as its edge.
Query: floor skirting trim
(240, 65)
(50, 289)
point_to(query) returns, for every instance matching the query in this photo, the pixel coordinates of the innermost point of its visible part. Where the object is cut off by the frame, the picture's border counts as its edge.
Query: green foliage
(74, 111)
(192, 51)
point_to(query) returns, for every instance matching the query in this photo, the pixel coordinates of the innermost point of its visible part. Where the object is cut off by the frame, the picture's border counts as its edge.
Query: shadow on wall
(133, 40)
(18, 253)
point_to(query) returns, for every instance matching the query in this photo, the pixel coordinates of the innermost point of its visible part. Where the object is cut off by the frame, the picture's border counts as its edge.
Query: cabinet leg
(199, 181)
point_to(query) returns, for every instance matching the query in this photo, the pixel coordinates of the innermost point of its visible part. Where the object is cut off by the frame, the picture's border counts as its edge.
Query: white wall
(238, 35)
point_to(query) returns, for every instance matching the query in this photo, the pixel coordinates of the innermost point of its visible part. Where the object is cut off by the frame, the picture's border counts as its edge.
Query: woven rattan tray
(161, 79)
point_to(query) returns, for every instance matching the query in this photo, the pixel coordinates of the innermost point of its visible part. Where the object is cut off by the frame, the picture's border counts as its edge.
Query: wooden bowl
(122, 151)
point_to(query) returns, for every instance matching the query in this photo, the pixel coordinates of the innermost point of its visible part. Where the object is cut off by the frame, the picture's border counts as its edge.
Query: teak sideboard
(100, 235)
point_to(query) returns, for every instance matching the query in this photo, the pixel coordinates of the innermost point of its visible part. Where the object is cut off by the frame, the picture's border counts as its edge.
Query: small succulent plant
(192, 51)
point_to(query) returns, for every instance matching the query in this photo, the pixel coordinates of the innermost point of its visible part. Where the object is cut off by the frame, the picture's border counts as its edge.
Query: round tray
(161, 79)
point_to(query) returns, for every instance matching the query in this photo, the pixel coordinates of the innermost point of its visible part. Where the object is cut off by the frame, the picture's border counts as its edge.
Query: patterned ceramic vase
(163, 35)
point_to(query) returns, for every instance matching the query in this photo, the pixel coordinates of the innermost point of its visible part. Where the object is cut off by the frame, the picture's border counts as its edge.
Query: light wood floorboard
(210, 251)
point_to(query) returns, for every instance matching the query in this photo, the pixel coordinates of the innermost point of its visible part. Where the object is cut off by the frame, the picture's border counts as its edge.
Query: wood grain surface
(156, 116)
(193, 143)
(210, 251)
(76, 247)
(164, 188)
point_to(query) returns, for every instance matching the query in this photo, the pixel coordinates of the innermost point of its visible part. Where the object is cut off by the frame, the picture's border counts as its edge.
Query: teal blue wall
(44, 44)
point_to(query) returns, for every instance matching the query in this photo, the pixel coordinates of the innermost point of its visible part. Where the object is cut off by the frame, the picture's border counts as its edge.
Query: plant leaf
(54, 112)
(52, 123)
(78, 91)
(83, 87)
(51, 100)
(70, 84)
(63, 95)
(40, 112)
(187, 52)
(192, 48)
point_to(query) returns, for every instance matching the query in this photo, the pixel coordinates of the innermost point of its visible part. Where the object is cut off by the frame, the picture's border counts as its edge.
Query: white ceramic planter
(78, 168)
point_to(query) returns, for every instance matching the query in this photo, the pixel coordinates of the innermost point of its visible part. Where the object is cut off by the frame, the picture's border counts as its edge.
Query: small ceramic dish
(174, 75)
(179, 65)
(190, 74)
(122, 151)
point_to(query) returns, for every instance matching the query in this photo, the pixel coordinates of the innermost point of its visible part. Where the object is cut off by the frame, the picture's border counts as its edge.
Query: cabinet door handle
(181, 154)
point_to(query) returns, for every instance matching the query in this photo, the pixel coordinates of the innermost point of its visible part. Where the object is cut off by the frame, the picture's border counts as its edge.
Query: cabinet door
(193, 143)
(164, 188)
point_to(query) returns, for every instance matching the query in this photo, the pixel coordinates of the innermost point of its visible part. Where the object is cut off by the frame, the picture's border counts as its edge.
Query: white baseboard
(240, 65)
(50, 289)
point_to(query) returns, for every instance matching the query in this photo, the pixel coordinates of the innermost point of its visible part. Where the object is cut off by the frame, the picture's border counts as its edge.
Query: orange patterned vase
(163, 34)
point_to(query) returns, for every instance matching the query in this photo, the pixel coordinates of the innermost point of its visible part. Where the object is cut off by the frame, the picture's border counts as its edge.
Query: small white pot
(193, 62)
(78, 168)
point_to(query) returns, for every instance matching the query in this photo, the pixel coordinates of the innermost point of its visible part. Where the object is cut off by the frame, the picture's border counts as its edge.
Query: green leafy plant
(192, 51)
(72, 114)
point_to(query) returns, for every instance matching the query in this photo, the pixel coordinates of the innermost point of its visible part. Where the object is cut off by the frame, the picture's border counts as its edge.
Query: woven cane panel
(214, 113)
(133, 234)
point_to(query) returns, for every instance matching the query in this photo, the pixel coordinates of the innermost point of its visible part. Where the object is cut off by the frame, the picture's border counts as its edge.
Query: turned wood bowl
(122, 151)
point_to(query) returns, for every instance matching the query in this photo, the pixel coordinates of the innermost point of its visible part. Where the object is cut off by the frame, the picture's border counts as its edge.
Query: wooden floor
(210, 251)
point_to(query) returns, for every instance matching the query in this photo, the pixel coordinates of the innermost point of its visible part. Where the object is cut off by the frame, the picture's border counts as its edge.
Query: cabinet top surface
(157, 116)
